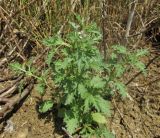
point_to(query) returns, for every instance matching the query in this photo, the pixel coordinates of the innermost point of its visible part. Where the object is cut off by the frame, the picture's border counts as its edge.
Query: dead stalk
(130, 18)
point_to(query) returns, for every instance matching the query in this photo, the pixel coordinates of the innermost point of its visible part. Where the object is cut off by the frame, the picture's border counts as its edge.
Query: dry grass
(44, 18)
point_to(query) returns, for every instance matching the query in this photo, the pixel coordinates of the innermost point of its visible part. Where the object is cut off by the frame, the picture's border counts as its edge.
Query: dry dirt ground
(136, 118)
(140, 118)
(28, 123)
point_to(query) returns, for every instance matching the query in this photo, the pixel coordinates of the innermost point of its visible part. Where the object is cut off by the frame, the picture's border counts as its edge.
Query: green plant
(78, 74)
(83, 79)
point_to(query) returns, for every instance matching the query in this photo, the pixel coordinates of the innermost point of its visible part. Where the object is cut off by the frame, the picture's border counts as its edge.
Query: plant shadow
(52, 116)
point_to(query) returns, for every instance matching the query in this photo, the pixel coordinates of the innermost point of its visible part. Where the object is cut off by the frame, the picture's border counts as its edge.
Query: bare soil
(140, 118)
(28, 123)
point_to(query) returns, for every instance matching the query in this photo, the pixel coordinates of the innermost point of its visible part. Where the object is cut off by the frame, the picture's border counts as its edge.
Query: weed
(83, 79)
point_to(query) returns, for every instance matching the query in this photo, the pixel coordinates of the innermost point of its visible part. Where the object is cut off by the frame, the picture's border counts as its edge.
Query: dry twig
(9, 106)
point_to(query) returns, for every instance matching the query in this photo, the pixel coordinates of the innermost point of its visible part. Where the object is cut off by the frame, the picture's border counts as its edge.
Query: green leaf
(49, 57)
(41, 88)
(119, 69)
(71, 125)
(17, 67)
(79, 64)
(102, 105)
(97, 82)
(96, 64)
(79, 19)
(89, 101)
(87, 104)
(141, 52)
(45, 106)
(121, 88)
(63, 64)
(33, 70)
(120, 49)
(113, 56)
(107, 134)
(99, 118)
(103, 132)
(74, 25)
(54, 41)
(69, 99)
(82, 90)
(140, 65)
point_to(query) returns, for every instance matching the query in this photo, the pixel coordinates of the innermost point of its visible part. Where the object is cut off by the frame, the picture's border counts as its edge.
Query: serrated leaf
(49, 57)
(119, 70)
(103, 132)
(96, 64)
(45, 106)
(99, 118)
(54, 41)
(41, 88)
(69, 99)
(71, 125)
(140, 65)
(102, 105)
(121, 88)
(17, 67)
(62, 64)
(82, 90)
(89, 101)
(141, 52)
(79, 19)
(87, 104)
(33, 70)
(113, 56)
(64, 52)
(97, 82)
(120, 49)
